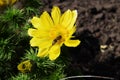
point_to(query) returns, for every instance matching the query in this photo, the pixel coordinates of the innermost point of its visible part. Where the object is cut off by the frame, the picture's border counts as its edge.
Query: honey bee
(56, 39)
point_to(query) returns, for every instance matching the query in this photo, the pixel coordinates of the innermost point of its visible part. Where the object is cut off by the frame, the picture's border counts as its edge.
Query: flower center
(58, 34)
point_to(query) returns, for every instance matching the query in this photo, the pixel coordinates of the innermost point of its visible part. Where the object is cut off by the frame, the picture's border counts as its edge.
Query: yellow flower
(25, 66)
(7, 2)
(51, 33)
(1, 2)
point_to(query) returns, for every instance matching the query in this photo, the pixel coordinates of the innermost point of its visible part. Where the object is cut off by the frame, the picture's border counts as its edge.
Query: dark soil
(98, 24)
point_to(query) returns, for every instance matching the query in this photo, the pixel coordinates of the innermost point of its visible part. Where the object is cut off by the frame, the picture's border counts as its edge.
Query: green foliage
(56, 75)
(21, 76)
(43, 68)
(30, 11)
(33, 3)
(15, 48)
(32, 7)
(5, 50)
(12, 16)
(11, 41)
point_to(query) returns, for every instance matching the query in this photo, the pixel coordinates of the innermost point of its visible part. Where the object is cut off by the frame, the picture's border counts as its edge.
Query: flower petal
(37, 33)
(54, 52)
(46, 20)
(35, 22)
(43, 52)
(74, 17)
(32, 32)
(66, 18)
(72, 43)
(56, 14)
(72, 30)
(42, 43)
(43, 23)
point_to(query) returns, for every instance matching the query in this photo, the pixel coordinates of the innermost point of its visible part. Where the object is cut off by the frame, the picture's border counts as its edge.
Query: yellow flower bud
(25, 66)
